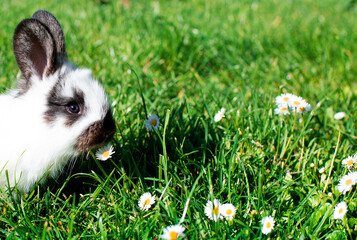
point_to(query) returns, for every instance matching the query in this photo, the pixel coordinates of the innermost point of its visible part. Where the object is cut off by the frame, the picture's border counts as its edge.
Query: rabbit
(57, 113)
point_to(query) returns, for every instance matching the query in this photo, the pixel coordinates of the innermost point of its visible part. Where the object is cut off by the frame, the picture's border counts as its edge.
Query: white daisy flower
(268, 224)
(295, 101)
(349, 161)
(104, 153)
(340, 210)
(346, 183)
(195, 31)
(145, 201)
(152, 122)
(218, 117)
(339, 115)
(228, 211)
(173, 232)
(212, 211)
(282, 109)
(303, 107)
(284, 99)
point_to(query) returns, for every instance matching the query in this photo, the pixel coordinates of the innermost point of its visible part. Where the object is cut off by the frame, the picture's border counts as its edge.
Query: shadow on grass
(189, 143)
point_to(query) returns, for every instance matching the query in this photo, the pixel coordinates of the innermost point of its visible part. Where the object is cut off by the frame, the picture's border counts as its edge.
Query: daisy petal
(340, 210)
(268, 224)
(145, 201)
(105, 153)
(173, 232)
(152, 122)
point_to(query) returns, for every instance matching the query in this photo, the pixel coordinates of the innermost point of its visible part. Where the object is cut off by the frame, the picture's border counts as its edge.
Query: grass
(187, 60)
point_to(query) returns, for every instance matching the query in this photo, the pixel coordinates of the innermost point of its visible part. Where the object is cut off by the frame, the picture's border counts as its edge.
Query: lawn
(184, 61)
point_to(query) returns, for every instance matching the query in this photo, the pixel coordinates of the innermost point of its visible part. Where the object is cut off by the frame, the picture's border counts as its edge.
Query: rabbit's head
(71, 102)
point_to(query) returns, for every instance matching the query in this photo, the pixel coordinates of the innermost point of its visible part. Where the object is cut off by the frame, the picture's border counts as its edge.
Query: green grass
(191, 58)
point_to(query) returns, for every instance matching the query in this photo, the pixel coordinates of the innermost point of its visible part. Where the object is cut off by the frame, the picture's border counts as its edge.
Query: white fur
(29, 147)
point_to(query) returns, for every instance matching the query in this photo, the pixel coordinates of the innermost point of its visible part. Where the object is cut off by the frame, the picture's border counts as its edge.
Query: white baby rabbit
(58, 112)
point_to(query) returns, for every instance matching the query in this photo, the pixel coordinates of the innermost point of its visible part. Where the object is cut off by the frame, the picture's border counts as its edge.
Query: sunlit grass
(187, 60)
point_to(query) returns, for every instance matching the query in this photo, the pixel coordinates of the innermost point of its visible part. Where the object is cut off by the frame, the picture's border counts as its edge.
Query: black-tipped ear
(47, 19)
(34, 49)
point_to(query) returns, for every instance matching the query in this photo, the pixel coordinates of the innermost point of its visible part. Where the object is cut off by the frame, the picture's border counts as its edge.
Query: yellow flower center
(229, 211)
(301, 109)
(173, 235)
(340, 211)
(285, 99)
(284, 109)
(268, 225)
(153, 122)
(106, 154)
(296, 103)
(349, 182)
(215, 211)
(350, 162)
(147, 202)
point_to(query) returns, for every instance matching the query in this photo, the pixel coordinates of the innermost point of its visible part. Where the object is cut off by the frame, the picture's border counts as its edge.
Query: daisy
(282, 109)
(346, 183)
(195, 31)
(173, 232)
(145, 201)
(339, 115)
(349, 161)
(218, 117)
(295, 101)
(104, 153)
(340, 210)
(152, 122)
(284, 99)
(212, 211)
(303, 107)
(228, 211)
(268, 224)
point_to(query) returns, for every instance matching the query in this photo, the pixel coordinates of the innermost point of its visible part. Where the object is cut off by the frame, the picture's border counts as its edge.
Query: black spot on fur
(97, 134)
(57, 105)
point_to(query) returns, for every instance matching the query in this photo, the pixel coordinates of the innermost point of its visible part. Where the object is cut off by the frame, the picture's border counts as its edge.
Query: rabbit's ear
(55, 29)
(34, 49)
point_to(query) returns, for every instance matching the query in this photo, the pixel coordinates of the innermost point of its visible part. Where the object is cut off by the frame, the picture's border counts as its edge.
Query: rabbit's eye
(73, 108)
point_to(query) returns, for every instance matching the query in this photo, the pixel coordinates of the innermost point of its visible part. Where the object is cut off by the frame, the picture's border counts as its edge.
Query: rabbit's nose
(97, 134)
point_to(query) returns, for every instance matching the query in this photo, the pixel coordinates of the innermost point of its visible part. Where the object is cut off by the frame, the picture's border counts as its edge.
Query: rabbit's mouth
(97, 134)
